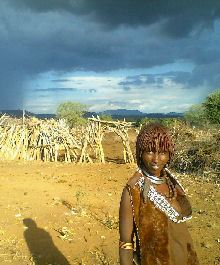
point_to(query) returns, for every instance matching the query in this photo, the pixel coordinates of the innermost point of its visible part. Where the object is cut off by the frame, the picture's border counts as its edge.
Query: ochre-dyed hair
(152, 137)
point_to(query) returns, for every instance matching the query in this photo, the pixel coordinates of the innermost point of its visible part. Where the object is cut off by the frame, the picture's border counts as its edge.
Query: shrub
(106, 117)
(144, 121)
(169, 122)
(196, 115)
(72, 112)
(212, 107)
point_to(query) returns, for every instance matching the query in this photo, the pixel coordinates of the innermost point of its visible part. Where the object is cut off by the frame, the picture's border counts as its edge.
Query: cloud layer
(176, 15)
(65, 36)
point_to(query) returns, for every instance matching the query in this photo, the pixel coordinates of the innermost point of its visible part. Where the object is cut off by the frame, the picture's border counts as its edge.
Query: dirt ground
(57, 213)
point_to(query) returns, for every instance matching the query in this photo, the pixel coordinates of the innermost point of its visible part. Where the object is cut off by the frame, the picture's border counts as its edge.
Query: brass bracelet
(125, 245)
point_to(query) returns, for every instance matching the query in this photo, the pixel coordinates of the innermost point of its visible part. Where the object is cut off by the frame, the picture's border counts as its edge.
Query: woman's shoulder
(134, 179)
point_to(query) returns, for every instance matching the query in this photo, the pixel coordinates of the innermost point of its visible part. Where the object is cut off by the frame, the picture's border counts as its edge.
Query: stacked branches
(93, 136)
(52, 140)
(118, 127)
(37, 140)
(197, 150)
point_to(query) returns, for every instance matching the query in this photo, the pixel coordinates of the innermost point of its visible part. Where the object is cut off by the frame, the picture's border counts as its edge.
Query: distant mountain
(122, 112)
(164, 115)
(90, 114)
(16, 113)
(19, 114)
(45, 116)
(116, 114)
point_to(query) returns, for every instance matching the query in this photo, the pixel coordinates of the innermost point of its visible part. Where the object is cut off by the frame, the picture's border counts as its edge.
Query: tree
(196, 115)
(212, 107)
(168, 122)
(144, 121)
(73, 112)
(106, 117)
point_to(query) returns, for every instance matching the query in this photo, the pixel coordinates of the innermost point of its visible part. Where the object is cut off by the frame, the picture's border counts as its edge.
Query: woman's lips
(155, 166)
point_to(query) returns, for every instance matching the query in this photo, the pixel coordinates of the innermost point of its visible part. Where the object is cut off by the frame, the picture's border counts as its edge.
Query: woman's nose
(155, 157)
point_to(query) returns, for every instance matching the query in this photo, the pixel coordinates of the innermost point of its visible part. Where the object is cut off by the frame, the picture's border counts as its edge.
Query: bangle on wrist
(125, 245)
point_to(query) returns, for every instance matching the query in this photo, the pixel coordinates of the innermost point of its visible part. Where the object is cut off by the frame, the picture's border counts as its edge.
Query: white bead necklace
(153, 179)
(161, 203)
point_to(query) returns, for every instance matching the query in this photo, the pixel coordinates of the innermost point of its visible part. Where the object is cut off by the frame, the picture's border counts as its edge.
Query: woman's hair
(153, 137)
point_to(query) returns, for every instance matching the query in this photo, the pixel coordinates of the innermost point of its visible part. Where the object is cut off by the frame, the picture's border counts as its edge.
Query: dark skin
(154, 163)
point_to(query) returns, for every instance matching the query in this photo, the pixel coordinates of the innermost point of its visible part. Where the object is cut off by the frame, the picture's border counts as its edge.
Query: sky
(147, 55)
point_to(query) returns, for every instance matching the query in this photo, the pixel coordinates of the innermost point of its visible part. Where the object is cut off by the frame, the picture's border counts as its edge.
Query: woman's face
(155, 161)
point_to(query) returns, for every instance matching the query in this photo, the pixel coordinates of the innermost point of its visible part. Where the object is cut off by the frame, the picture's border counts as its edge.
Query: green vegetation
(212, 107)
(144, 121)
(208, 112)
(72, 112)
(196, 115)
(106, 117)
(168, 122)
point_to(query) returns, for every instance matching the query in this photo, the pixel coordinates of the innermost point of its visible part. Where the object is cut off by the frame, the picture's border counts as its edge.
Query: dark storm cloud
(201, 75)
(180, 17)
(60, 42)
(35, 44)
(10, 84)
(210, 72)
(39, 36)
(187, 79)
(157, 80)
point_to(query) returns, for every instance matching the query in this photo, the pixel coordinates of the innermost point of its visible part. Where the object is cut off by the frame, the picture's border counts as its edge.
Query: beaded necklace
(156, 180)
(153, 179)
(161, 201)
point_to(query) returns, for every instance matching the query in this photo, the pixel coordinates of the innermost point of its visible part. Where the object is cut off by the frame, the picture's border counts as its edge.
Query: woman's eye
(162, 153)
(149, 152)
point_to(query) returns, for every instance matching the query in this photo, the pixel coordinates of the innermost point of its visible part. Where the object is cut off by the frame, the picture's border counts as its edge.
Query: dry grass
(101, 258)
(197, 151)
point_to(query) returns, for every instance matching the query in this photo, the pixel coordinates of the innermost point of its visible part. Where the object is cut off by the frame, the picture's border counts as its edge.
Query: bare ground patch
(57, 213)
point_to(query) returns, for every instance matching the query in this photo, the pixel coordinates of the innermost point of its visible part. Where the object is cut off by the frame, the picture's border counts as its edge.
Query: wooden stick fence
(118, 127)
(38, 140)
(51, 140)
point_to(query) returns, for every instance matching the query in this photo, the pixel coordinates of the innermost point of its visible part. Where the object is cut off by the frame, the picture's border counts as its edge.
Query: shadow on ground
(41, 245)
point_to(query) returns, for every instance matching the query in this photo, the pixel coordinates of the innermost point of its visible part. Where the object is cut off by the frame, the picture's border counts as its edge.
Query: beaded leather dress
(162, 237)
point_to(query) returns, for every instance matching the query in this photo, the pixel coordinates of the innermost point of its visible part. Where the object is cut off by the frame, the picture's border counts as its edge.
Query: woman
(154, 207)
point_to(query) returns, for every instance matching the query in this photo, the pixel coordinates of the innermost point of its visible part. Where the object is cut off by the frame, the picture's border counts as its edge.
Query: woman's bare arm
(125, 228)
